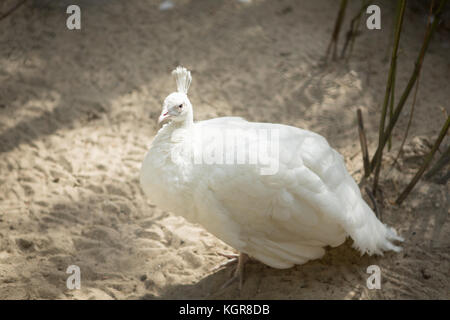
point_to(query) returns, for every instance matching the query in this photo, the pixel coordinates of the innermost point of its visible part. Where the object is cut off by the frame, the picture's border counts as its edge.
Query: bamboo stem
(375, 206)
(391, 35)
(411, 115)
(443, 160)
(337, 29)
(392, 98)
(391, 104)
(398, 30)
(425, 164)
(363, 142)
(410, 84)
(12, 9)
(351, 33)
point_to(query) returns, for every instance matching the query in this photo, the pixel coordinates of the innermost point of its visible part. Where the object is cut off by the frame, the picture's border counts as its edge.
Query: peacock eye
(180, 106)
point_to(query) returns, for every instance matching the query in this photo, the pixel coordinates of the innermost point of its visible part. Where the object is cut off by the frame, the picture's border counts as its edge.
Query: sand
(78, 111)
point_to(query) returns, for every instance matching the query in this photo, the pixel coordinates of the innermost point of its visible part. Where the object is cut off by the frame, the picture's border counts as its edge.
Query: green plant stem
(409, 86)
(12, 9)
(443, 160)
(352, 32)
(363, 142)
(381, 138)
(425, 164)
(391, 104)
(411, 115)
(337, 29)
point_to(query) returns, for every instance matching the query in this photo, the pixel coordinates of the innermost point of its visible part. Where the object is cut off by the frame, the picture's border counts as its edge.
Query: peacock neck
(173, 127)
(174, 135)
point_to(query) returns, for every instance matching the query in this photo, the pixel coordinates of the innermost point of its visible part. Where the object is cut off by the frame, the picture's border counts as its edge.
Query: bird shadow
(326, 278)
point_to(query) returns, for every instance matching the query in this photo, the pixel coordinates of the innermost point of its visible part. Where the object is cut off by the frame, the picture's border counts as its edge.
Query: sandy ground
(78, 111)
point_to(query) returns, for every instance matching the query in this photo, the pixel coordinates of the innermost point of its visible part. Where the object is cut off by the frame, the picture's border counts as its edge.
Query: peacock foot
(238, 274)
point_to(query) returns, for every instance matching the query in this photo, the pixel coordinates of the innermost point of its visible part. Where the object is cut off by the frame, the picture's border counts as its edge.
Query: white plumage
(280, 219)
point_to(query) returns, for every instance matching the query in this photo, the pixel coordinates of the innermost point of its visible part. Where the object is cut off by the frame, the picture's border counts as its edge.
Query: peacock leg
(238, 273)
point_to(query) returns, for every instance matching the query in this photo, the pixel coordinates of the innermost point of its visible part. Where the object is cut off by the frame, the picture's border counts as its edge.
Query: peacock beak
(164, 115)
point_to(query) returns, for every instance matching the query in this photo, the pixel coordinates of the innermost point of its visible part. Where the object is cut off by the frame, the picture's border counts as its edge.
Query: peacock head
(177, 106)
